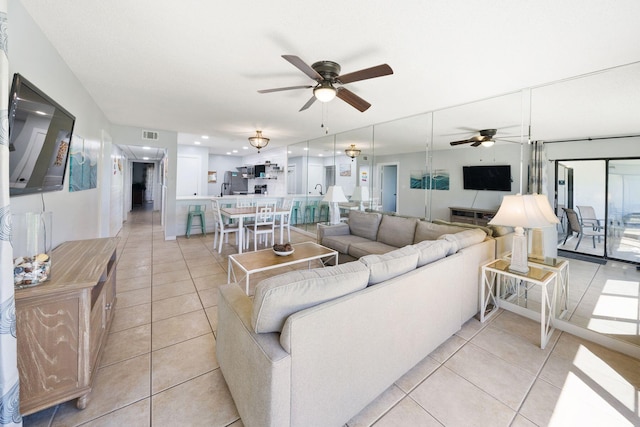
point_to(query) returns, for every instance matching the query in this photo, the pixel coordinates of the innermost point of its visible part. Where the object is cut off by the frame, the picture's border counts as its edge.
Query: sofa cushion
(361, 249)
(280, 296)
(432, 250)
(364, 224)
(396, 231)
(342, 243)
(500, 230)
(465, 225)
(464, 239)
(426, 230)
(389, 265)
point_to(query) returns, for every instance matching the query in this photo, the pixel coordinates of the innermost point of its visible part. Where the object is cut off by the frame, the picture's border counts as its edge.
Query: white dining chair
(284, 220)
(222, 229)
(264, 225)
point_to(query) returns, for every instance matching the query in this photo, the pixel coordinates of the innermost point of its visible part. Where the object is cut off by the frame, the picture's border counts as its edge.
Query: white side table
(496, 274)
(561, 268)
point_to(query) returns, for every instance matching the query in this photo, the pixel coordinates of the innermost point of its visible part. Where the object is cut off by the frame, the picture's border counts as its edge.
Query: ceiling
(195, 66)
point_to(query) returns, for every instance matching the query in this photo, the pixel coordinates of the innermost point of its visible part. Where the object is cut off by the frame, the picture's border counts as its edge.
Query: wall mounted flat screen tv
(40, 133)
(493, 178)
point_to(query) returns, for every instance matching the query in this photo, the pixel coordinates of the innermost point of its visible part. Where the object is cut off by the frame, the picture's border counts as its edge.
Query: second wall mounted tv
(40, 133)
(492, 178)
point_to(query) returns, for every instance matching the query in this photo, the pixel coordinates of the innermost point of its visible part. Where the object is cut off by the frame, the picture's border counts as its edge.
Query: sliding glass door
(623, 214)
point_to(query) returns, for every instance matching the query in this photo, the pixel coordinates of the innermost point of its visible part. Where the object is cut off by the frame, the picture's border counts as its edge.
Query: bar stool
(324, 212)
(311, 210)
(196, 211)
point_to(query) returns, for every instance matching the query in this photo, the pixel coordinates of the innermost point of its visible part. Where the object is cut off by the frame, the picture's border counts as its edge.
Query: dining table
(240, 213)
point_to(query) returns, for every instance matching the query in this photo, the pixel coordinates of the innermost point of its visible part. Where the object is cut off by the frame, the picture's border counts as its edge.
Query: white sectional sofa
(314, 347)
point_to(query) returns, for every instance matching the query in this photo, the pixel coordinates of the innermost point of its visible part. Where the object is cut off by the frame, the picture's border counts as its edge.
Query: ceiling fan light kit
(258, 140)
(324, 92)
(352, 152)
(327, 74)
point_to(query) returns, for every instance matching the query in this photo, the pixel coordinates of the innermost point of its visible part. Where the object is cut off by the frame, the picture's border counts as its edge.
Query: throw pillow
(280, 296)
(391, 264)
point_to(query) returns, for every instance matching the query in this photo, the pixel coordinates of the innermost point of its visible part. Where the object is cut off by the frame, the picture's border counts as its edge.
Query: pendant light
(258, 140)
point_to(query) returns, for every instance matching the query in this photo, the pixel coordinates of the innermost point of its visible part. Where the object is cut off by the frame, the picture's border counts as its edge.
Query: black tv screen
(493, 178)
(40, 133)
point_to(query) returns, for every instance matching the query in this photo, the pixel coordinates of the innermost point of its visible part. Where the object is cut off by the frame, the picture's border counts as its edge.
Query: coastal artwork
(83, 164)
(424, 180)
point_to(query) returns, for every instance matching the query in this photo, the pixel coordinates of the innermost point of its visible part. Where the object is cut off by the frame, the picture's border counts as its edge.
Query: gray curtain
(9, 381)
(538, 169)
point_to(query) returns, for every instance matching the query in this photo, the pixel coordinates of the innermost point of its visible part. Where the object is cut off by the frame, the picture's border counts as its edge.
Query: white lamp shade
(521, 211)
(545, 208)
(335, 195)
(360, 194)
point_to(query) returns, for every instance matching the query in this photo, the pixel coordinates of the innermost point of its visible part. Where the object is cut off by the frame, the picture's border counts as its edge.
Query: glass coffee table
(256, 262)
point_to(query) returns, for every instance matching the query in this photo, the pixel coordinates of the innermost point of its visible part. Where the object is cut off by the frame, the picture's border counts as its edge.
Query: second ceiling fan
(485, 138)
(327, 77)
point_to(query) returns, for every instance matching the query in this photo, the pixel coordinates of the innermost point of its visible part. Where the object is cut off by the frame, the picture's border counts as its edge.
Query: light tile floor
(159, 365)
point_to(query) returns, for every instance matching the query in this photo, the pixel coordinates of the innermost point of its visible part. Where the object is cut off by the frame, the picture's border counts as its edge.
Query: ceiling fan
(485, 138)
(327, 76)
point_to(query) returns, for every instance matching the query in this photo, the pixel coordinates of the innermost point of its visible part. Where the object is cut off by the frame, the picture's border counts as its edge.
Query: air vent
(150, 134)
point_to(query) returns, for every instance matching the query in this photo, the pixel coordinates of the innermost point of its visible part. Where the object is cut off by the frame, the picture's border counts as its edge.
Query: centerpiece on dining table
(283, 249)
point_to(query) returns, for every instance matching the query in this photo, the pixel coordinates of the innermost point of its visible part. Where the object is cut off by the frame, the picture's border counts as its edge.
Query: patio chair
(575, 226)
(588, 218)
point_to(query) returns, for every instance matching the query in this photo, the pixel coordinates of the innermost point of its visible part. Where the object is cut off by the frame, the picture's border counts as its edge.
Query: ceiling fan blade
(367, 73)
(352, 99)
(302, 66)
(278, 89)
(308, 104)
(464, 141)
(477, 143)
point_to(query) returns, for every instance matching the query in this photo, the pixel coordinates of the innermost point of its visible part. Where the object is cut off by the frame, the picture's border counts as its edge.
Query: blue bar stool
(196, 211)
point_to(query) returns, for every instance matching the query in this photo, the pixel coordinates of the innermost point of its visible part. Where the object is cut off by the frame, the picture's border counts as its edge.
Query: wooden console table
(471, 216)
(62, 324)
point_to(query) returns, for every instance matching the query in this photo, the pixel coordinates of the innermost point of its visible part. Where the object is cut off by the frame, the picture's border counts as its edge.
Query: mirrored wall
(410, 167)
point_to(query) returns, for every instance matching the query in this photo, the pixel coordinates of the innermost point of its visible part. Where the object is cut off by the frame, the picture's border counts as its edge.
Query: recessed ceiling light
(145, 158)
(306, 148)
(228, 153)
(289, 152)
(196, 142)
(245, 148)
(146, 148)
(320, 155)
(205, 137)
(235, 151)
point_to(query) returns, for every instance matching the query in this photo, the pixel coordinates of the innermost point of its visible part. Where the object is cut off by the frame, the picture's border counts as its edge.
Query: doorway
(389, 187)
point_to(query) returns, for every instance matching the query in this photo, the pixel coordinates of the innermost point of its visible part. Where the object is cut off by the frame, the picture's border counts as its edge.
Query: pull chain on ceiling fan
(327, 76)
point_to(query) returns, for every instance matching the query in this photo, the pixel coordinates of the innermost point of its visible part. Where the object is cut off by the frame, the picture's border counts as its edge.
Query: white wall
(413, 201)
(76, 215)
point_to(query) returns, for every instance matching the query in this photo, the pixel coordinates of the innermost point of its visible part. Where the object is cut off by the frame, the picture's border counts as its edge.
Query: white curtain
(9, 381)
(538, 171)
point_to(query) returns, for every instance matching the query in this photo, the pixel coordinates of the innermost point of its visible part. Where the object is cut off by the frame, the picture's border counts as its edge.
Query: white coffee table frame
(263, 260)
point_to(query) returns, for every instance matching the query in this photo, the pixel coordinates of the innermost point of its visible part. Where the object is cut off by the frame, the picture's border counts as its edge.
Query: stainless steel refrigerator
(234, 183)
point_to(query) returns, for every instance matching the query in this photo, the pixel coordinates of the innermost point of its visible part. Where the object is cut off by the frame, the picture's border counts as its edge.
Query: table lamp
(537, 234)
(360, 194)
(334, 196)
(521, 211)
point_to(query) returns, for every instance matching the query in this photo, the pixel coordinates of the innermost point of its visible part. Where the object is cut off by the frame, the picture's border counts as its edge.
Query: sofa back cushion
(278, 297)
(426, 230)
(396, 231)
(464, 239)
(391, 264)
(432, 250)
(488, 229)
(364, 224)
